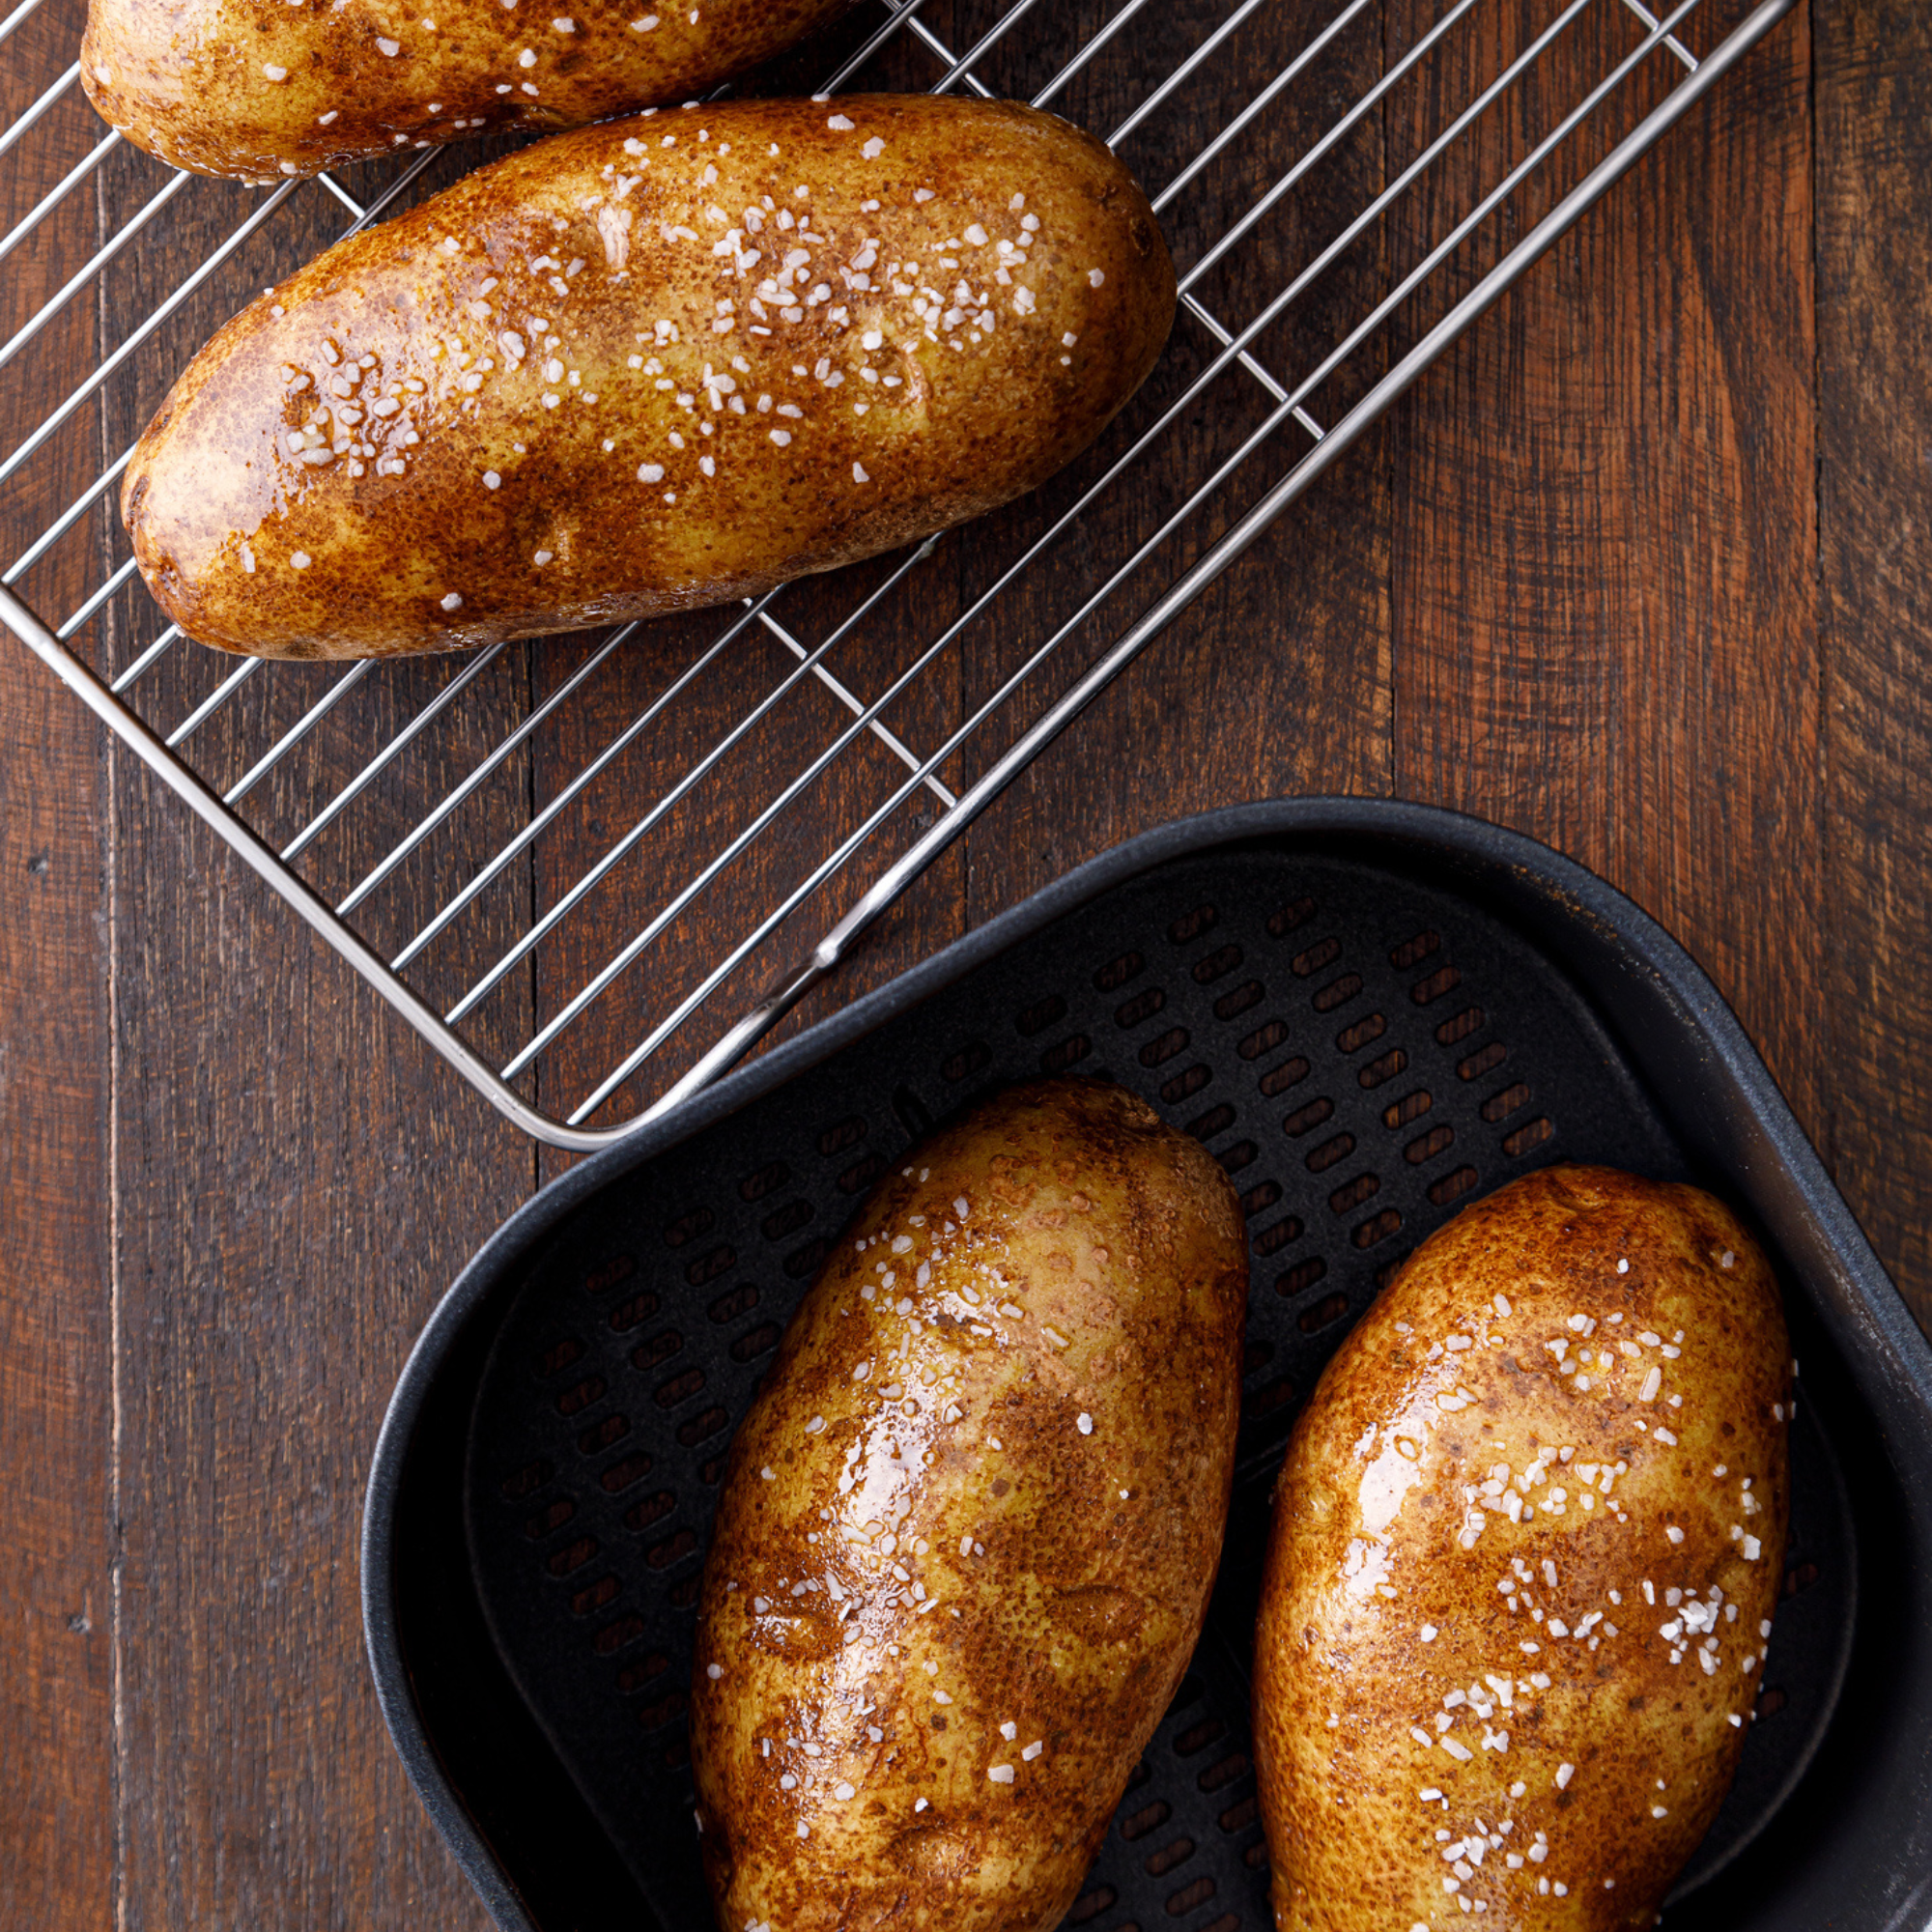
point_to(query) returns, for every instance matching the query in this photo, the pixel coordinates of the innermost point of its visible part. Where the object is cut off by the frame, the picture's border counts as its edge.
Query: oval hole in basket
(1459, 1026)
(1337, 993)
(688, 1226)
(1279, 1079)
(766, 1181)
(1217, 965)
(1177, 1852)
(1165, 1047)
(1265, 1195)
(632, 1310)
(606, 1274)
(1189, 1081)
(969, 1060)
(1238, 1817)
(1301, 1277)
(1414, 952)
(1532, 1134)
(531, 1476)
(1191, 1897)
(659, 1347)
(785, 1220)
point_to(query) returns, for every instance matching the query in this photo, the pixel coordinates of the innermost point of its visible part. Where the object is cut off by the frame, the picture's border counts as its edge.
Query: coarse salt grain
(301, 559)
(453, 601)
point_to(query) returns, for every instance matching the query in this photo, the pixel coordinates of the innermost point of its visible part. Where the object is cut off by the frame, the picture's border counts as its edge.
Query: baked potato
(1525, 1549)
(660, 364)
(265, 88)
(968, 1529)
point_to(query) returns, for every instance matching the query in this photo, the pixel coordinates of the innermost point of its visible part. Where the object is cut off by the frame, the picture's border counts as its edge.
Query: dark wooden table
(1641, 570)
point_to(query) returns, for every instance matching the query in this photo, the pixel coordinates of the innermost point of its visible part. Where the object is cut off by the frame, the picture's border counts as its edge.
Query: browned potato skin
(1343, 1672)
(218, 507)
(193, 80)
(1075, 1612)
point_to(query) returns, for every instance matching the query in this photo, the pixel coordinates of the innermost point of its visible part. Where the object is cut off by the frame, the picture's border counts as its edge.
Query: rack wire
(619, 833)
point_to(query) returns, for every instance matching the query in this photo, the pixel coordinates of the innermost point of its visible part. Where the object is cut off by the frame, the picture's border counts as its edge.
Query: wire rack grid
(1346, 194)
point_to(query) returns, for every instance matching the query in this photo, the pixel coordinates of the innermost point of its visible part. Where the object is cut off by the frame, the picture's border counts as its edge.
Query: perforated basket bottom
(1362, 1051)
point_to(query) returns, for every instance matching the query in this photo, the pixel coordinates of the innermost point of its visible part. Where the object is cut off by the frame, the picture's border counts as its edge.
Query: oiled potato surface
(1525, 1549)
(660, 364)
(265, 88)
(969, 1527)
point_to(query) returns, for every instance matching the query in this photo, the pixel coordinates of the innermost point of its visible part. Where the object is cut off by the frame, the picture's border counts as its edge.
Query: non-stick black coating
(1365, 1047)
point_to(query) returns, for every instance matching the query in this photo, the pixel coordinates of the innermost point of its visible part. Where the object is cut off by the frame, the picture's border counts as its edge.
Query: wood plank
(1276, 680)
(1620, 461)
(57, 1742)
(1606, 541)
(299, 1179)
(1875, 441)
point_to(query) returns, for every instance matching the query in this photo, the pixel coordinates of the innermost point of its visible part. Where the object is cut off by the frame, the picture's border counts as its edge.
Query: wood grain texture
(57, 1742)
(1277, 679)
(1605, 552)
(297, 1183)
(1874, 94)
(1629, 572)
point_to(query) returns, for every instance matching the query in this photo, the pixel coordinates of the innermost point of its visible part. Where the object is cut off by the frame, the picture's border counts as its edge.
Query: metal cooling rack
(1334, 234)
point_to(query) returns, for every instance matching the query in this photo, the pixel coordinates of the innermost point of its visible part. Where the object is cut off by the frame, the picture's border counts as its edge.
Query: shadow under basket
(1370, 1014)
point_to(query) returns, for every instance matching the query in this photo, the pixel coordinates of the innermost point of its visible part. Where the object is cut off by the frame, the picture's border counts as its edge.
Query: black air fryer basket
(1370, 1013)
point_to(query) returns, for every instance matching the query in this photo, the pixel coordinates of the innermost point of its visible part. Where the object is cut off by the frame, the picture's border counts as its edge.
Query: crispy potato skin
(1057, 1490)
(261, 89)
(1376, 1541)
(475, 480)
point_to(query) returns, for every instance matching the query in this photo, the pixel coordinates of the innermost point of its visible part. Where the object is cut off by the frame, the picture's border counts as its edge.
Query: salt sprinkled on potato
(265, 90)
(1526, 1547)
(660, 364)
(969, 1527)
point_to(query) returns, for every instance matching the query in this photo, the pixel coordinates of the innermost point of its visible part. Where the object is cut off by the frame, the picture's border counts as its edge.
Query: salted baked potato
(968, 1529)
(261, 89)
(1525, 1549)
(660, 364)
